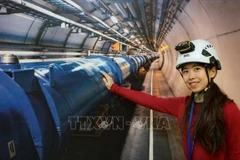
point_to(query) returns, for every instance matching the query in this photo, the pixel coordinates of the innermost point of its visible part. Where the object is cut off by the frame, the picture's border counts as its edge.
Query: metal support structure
(50, 15)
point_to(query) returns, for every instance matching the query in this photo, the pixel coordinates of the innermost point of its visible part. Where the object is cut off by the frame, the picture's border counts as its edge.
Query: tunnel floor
(130, 142)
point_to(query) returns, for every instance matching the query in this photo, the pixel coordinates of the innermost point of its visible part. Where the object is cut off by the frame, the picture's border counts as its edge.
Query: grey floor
(167, 143)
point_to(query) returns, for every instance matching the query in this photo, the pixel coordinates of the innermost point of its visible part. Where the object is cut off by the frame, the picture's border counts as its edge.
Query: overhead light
(3, 10)
(79, 30)
(93, 1)
(126, 30)
(114, 19)
(63, 25)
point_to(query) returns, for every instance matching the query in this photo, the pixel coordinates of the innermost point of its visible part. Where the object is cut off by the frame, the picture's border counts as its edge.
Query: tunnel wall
(216, 22)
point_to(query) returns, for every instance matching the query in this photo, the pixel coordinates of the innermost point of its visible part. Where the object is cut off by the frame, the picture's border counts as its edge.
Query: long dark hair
(209, 127)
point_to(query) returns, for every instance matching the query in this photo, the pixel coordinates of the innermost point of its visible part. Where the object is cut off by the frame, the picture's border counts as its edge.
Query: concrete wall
(217, 21)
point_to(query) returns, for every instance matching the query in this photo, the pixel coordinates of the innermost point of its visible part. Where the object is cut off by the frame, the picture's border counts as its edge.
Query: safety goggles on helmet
(197, 51)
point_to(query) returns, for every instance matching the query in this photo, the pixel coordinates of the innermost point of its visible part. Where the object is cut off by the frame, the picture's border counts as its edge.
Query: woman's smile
(193, 84)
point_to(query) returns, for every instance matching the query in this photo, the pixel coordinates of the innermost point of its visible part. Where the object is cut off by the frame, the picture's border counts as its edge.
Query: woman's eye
(197, 68)
(184, 71)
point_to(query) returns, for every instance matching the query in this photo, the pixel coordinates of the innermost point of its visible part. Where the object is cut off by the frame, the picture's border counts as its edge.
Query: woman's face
(195, 77)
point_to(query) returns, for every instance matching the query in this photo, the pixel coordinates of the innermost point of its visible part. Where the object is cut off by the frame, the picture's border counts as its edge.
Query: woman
(209, 120)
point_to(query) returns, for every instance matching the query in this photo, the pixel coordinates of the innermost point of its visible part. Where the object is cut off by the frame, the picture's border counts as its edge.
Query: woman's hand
(107, 80)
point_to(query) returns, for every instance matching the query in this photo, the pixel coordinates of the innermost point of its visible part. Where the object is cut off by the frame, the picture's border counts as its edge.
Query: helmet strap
(198, 98)
(210, 81)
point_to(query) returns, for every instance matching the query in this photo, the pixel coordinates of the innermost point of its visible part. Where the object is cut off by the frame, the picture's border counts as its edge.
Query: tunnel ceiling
(138, 23)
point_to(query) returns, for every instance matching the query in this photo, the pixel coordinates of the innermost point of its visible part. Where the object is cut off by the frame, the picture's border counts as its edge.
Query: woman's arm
(166, 105)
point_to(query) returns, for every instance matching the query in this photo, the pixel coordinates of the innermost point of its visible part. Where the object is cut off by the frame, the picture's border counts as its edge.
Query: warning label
(11, 149)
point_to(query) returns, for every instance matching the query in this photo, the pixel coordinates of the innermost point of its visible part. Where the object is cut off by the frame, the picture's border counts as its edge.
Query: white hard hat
(199, 51)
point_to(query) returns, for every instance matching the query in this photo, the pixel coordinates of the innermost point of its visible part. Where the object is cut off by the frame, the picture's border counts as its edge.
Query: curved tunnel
(57, 40)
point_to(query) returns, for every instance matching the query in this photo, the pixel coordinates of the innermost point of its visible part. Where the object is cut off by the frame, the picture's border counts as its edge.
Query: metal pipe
(144, 19)
(47, 60)
(139, 25)
(31, 53)
(93, 17)
(123, 12)
(121, 9)
(131, 9)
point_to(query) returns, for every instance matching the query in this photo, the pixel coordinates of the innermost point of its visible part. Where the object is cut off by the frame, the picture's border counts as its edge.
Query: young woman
(209, 120)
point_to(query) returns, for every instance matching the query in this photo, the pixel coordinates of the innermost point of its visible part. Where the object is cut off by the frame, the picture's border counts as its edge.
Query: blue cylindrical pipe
(44, 96)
